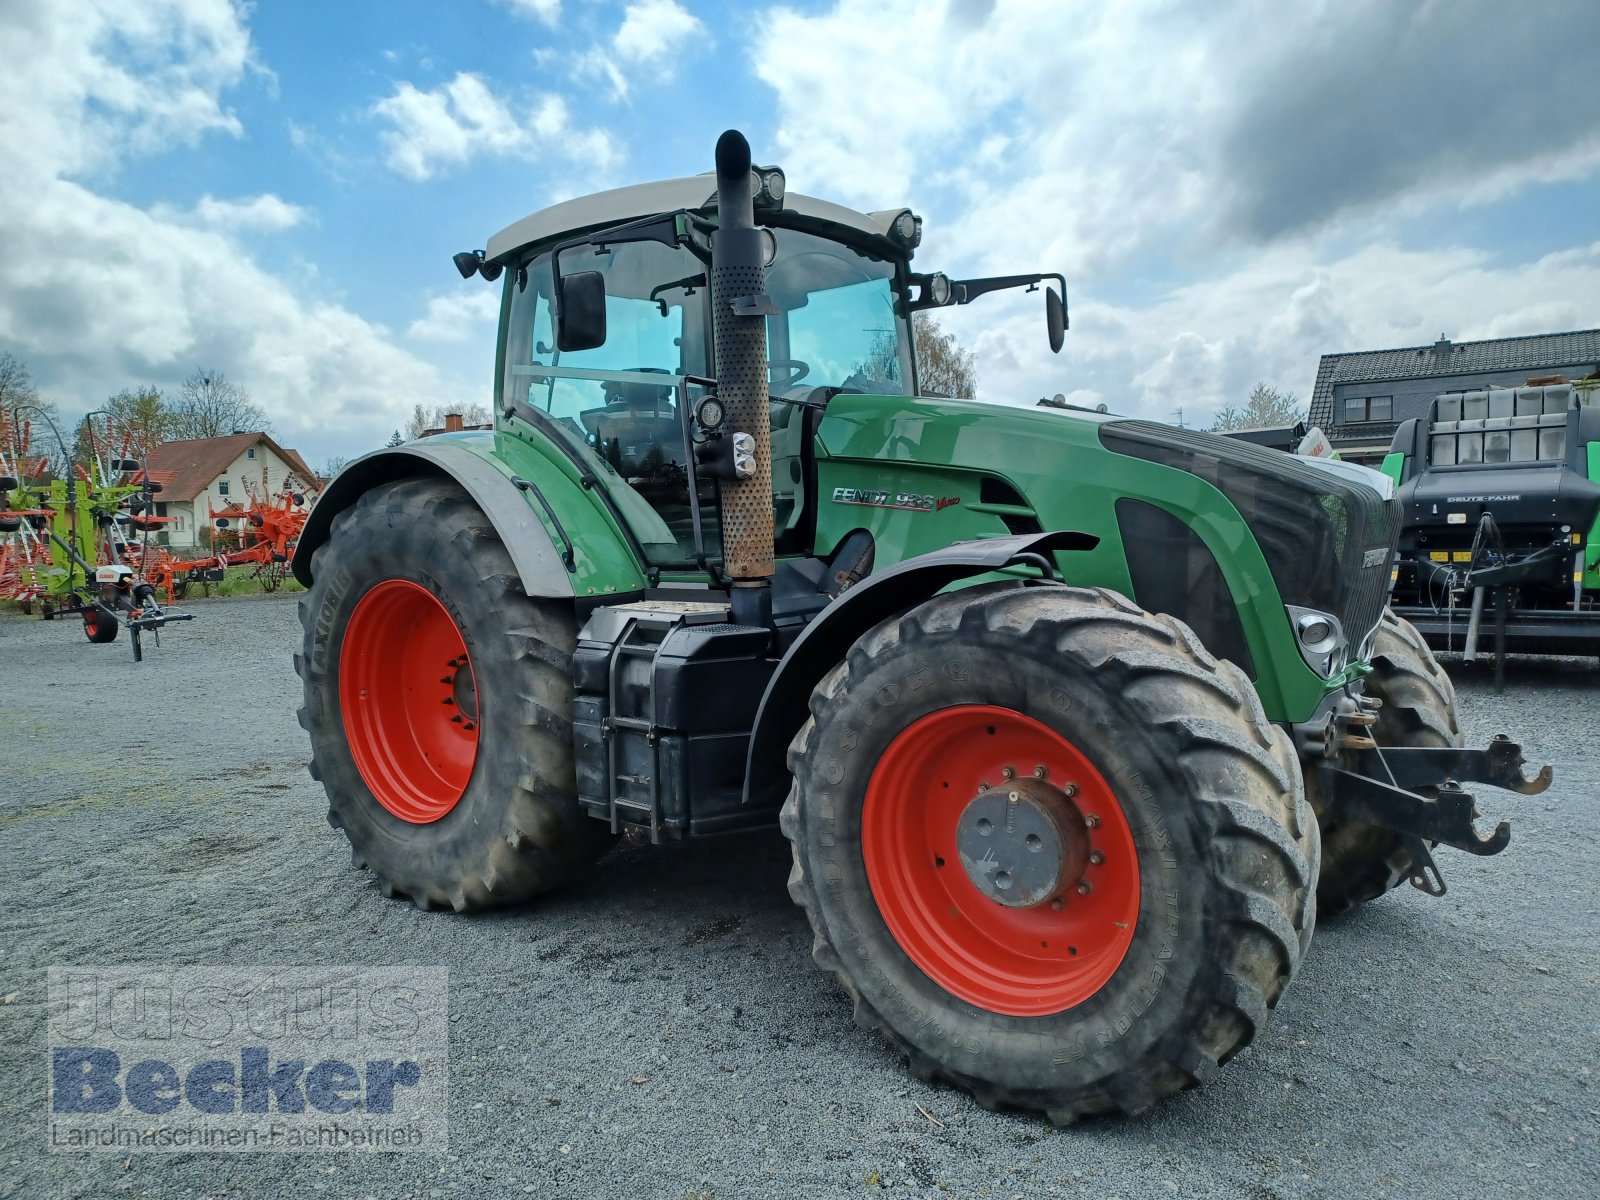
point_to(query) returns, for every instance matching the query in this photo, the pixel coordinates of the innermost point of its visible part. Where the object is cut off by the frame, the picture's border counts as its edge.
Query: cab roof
(697, 193)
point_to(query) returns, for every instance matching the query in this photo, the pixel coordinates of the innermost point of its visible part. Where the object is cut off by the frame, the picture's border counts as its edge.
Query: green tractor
(1073, 721)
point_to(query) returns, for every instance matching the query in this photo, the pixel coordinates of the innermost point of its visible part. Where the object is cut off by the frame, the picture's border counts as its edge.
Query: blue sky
(1232, 188)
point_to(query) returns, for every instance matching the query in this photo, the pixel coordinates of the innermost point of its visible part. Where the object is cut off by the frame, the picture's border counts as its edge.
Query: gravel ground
(1429, 1047)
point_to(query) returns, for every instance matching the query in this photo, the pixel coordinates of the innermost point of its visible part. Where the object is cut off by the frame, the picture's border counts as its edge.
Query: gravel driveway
(1429, 1047)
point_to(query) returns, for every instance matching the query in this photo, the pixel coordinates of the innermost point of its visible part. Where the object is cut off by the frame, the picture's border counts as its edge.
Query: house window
(1368, 408)
(250, 453)
(222, 487)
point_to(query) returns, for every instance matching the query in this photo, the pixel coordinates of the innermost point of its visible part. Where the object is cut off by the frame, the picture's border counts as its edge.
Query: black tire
(1362, 862)
(98, 627)
(1227, 846)
(517, 830)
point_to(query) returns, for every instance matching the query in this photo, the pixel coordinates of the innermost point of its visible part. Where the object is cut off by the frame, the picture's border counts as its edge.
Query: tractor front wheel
(437, 696)
(1052, 848)
(1362, 862)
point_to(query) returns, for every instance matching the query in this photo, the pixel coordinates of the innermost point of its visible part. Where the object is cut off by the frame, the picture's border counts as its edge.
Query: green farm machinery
(74, 545)
(1073, 721)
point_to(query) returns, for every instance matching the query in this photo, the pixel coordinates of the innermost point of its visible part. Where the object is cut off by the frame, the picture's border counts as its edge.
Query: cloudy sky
(1231, 188)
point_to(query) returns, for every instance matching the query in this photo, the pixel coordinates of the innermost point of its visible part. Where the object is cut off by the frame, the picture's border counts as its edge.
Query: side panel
(1394, 465)
(1591, 559)
(1055, 460)
(540, 537)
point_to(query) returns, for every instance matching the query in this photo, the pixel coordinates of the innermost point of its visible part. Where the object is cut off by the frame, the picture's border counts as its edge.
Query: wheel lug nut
(1069, 790)
(1083, 887)
(983, 787)
(1058, 904)
(1091, 820)
(1040, 771)
(1097, 857)
(1008, 772)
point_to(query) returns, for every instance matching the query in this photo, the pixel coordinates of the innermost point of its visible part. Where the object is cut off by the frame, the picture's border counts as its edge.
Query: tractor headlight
(939, 290)
(1321, 640)
(908, 229)
(770, 187)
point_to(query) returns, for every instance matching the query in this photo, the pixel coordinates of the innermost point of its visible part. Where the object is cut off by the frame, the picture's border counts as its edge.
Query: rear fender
(826, 640)
(554, 561)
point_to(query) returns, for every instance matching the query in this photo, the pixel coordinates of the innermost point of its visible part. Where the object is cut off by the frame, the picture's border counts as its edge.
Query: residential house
(200, 476)
(1360, 398)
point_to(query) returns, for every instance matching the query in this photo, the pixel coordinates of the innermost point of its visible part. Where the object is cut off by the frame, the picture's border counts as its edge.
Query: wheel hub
(1022, 842)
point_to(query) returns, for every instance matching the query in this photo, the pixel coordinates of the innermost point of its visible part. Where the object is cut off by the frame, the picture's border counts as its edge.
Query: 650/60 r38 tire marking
(1022, 961)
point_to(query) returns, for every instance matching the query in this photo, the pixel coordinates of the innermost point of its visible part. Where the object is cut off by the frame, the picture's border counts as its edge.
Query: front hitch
(1415, 792)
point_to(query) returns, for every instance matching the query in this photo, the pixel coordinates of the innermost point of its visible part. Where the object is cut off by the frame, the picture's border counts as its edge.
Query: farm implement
(260, 532)
(68, 552)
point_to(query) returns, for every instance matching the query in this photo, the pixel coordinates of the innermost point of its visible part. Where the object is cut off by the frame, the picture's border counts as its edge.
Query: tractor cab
(619, 372)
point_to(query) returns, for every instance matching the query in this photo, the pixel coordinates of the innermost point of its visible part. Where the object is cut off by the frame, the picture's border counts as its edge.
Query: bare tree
(211, 405)
(16, 390)
(423, 419)
(331, 467)
(944, 366)
(1266, 407)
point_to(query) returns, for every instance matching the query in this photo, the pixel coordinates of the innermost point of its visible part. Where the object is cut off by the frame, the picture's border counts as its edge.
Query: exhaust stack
(741, 304)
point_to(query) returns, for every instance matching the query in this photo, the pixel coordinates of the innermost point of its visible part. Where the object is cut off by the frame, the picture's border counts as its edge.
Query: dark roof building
(187, 468)
(1360, 398)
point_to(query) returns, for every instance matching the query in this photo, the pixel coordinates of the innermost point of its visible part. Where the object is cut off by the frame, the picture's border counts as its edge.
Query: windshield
(839, 323)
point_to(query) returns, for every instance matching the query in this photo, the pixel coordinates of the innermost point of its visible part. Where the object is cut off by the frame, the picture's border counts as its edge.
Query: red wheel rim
(1020, 962)
(409, 701)
(91, 624)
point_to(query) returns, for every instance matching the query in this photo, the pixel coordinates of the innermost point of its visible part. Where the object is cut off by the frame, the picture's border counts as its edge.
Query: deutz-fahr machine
(1073, 721)
(1500, 489)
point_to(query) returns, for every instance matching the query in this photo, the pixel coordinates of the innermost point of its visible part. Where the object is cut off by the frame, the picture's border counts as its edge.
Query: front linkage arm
(1384, 785)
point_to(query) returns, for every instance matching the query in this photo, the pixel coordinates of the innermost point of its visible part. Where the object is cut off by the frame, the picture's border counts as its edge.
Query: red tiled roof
(187, 468)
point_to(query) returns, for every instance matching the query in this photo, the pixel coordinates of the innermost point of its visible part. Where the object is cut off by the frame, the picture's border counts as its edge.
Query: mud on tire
(1227, 846)
(1362, 862)
(517, 829)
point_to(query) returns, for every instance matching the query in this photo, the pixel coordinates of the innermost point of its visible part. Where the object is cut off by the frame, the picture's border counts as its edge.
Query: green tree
(1266, 407)
(142, 415)
(209, 405)
(395, 439)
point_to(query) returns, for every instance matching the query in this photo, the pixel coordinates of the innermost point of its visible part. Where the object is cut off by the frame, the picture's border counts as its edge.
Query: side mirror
(581, 312)
(1055, 317)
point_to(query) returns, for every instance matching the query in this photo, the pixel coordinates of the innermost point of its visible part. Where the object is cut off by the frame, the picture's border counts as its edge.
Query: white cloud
(266, 213)
(1112, 139)
(653, 30)
(126, 294)
(458, 316)
(647, 44)
(547, 12)
(457, 121)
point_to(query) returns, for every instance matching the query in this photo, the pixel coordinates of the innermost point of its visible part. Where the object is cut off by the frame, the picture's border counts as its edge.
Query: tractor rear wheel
(98, 627)
(1051, 847)
(1361, 862)
(437, 697)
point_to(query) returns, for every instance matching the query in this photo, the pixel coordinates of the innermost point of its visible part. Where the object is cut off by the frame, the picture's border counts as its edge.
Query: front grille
(1328, 541)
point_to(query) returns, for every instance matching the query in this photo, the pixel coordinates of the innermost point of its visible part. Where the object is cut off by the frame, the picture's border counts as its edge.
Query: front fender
(824, 642)
(577, 556)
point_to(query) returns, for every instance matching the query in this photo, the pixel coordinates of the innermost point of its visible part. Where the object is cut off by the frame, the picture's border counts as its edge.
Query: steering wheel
(797, 369)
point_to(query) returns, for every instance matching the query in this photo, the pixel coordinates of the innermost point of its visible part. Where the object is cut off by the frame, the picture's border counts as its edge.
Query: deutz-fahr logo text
(915, 501)
(1482, 499)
